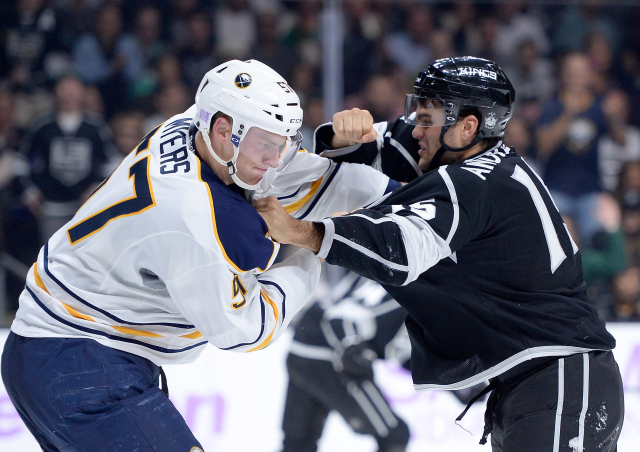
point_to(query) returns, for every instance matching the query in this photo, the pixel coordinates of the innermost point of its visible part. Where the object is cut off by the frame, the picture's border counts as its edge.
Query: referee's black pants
(571, 404)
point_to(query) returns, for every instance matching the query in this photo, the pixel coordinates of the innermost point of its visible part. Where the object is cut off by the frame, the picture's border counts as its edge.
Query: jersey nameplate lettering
(483, 164)
(173, 148)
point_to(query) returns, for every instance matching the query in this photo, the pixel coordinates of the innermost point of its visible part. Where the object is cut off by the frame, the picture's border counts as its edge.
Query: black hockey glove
(357, 361)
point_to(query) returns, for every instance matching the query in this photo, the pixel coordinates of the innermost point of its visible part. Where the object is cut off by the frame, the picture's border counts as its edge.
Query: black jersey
(357, 311)
(479, 256)
(64, 165)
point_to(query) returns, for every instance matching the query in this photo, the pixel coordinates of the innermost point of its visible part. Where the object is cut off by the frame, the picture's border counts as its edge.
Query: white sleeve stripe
(372, 220)
(385, 308)
(454, 201)
(380, 127)
(327, 241)
(371, 254)
(405, 154)
(378, 201)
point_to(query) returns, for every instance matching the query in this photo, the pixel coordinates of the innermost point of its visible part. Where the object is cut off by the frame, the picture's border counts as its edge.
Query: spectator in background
(29, 44)
(628, 195)
(313, 118)
(148, 29)
(409, 48)
(626, 295)
(621, 143)
(606, 258)
(93, 101)
(66, 151)
(268, 48)
(109, 58)
(577, 22)
(304, 37)
(304, 82)
(441, 44)
(230, 18)
(363, 33)
(488, 42)
(181, 11)
(127, 131)
(127, 128)
(18, 228)
(197, 57)
(381, 98)
(532, 75)
(601, 57)
(517, 27)
(169, 100)
(519, 136)
(462, 23)
(568, 134)
(9, 134)
(168, 70)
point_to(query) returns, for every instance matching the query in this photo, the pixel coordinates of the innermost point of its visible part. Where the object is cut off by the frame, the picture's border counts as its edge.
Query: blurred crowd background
(82, 81)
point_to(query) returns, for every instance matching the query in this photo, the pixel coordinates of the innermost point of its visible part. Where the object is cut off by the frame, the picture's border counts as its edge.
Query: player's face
(429, 140)
(259, 151)
(429, 122)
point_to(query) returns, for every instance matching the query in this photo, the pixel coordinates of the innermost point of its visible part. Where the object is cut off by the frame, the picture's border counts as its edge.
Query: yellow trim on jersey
(125, 330)
(121, 329)
(104, 182)
(215, 228)
(267, 341)
(135, 195)
(76, 314)
(195, 335)
(39, 281)
(299, 203)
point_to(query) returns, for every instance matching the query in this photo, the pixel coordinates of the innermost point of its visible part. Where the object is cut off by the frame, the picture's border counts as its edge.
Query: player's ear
(470, 126)
(221, 129)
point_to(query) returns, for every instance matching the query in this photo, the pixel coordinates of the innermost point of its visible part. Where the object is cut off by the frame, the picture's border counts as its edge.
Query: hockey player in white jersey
(168, 255)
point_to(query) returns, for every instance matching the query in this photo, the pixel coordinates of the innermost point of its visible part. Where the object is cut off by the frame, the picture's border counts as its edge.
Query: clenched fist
(351, 127)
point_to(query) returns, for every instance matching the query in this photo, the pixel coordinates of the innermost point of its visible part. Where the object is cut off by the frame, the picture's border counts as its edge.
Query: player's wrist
(307, 234)
(338, 143)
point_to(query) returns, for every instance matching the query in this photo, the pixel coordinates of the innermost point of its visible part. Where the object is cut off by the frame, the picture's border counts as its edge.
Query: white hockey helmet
(258, 100)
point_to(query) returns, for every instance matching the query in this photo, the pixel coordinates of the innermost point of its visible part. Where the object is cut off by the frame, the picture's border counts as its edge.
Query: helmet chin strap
(231, 163)
(435, 161)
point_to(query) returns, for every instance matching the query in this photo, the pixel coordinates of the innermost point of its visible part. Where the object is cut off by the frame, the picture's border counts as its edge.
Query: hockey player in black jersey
(330, 366)
(477, 253)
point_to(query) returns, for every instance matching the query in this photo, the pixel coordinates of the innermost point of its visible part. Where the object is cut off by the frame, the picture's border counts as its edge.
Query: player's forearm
(306, 234)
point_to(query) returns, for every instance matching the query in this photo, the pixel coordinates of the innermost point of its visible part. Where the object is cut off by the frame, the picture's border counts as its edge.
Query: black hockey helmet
(469, 83)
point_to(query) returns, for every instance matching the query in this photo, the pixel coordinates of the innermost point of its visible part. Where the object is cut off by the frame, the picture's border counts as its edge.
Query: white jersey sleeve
(313, 187)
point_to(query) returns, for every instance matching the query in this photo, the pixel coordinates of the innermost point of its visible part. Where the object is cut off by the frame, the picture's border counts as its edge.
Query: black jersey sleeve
(394, 152)
(410, 230)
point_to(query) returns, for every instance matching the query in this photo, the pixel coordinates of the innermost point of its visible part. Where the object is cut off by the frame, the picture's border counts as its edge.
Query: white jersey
(164, 257)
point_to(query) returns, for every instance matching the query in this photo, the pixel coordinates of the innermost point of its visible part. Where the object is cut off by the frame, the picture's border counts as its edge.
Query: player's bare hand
(280, 223)
(286, 229)
(351, 127)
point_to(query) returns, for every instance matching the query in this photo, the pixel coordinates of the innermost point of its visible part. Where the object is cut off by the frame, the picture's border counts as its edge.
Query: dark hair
(219, 114)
